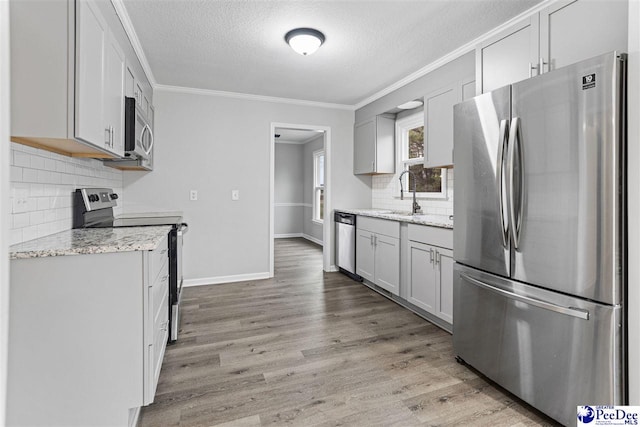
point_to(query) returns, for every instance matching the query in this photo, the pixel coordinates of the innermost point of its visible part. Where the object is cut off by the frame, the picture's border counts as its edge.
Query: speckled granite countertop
(91, 241)
(442, 221)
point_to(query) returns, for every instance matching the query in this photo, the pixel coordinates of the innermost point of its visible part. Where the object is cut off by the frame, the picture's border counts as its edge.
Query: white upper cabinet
(374, 146)
(114, 94)
(571, 31)
(438, 120)
(91, 35)
(69, 68)
(99, 103)
(561, 34)
(438, 130)
(508, 57)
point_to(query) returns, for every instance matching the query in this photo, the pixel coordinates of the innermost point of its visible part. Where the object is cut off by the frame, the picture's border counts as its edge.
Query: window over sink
(430, 183)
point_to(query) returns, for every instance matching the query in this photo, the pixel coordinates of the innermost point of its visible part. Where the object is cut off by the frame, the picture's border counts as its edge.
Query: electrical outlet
(235, 194)
(193, 195)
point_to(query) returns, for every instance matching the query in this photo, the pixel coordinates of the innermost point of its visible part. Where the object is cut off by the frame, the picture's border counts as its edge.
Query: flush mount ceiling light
(410, 105)
(304, 41)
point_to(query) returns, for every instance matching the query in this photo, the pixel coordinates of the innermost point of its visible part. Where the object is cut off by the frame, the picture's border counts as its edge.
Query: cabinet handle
(531, 68)
(108, 135)
(375, 240)
(437, 257)
(112, 133)
(542, 64)
(431, 256)
(373, 166)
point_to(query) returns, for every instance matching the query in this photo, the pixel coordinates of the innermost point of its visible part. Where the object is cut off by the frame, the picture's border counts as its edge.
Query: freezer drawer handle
(569, 311)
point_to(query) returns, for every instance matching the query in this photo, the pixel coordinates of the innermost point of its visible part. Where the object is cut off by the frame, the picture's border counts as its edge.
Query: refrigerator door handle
(500, 178)
(515, 219)
(569, 311)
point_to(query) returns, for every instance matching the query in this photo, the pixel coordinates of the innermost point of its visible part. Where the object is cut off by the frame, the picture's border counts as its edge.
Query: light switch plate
(193, 195)
(235, 194)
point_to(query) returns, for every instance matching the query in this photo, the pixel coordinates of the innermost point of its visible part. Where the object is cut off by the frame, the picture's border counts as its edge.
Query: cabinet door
(145, 104)
(364, 147)
(138, 93)
(365, 257)
(91, 32)
(509, 57)
(444, 284)
(438, 120)
(422, 284)
(468, 90)
(129, 83)
(571, 31)
(387, 263)
(114, 76)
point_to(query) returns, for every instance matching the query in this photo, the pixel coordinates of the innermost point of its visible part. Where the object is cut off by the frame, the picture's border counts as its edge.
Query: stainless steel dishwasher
(346, 243)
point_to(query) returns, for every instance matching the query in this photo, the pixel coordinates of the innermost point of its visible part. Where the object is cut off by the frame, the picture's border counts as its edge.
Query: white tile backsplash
(385, 194)
(42, 186)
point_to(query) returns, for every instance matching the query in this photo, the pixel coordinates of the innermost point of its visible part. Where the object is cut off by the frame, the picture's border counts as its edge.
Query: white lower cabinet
(430, 279)
(87, 336)
(430, 270)
(156, 317)
(378, 252)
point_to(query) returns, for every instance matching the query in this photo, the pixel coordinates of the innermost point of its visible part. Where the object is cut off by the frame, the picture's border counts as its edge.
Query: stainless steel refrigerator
(540, 238)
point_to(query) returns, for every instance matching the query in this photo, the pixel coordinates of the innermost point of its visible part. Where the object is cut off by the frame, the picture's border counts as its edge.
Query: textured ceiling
(238, 46)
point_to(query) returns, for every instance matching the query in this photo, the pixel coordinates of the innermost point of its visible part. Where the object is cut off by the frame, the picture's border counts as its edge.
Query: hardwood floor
(309, 348)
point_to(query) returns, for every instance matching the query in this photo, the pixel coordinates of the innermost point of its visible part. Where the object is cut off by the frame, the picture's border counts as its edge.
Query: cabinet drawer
(159, 295)
(442, 237)
(379, 226)
(157, 258)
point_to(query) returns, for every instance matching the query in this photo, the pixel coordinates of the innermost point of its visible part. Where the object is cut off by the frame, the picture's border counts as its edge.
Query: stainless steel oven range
(93, 207)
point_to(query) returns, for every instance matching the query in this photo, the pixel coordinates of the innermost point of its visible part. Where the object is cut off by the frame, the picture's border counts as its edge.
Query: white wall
(311, 228)
(4, 203)
(42, 186)
(215, 144)
(288, 190)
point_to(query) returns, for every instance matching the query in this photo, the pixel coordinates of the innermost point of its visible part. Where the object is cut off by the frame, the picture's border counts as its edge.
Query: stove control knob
(93, 198)
(113, 196)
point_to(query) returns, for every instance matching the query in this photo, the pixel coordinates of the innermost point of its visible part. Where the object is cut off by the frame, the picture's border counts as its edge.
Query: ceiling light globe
(304, 41)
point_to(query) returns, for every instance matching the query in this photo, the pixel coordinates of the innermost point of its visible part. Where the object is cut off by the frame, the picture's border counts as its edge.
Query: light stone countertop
(442, 221)
(91, 241)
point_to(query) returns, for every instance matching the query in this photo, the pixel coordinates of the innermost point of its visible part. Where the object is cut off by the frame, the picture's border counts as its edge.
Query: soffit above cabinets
(238, 46)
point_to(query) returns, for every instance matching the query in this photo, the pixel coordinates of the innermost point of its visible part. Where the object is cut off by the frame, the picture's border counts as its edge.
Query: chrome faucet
(416, 209)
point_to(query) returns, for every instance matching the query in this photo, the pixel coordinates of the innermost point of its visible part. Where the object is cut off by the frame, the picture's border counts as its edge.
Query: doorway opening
(300, 186)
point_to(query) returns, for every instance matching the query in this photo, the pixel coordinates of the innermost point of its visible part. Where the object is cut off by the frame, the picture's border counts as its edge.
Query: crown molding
(248, 96)
(462, 50)
(122, 13)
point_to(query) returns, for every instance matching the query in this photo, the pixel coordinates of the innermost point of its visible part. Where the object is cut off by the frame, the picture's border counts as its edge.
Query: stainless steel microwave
(138, 135)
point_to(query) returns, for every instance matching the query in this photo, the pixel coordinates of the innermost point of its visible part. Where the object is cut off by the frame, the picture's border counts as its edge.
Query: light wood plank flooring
(309, 348)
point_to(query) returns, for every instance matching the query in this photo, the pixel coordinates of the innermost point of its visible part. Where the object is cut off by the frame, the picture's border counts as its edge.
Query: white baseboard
(313, 239)
(303, 235)
(224, 279)
(134, 414)
(287, 235)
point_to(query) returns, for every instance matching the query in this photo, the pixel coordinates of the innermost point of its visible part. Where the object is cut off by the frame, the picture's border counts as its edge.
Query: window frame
(402, 128)
(318, 189)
